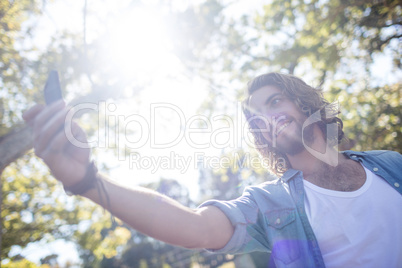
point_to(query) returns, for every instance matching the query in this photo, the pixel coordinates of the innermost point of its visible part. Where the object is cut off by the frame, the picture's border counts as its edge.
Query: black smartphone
(52, 88)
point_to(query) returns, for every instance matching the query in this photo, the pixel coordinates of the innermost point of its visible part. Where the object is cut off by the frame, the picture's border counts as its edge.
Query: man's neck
(309, 163)
(331, 169)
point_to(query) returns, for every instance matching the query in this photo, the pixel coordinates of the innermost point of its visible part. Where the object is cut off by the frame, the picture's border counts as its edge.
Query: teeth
(282, 127)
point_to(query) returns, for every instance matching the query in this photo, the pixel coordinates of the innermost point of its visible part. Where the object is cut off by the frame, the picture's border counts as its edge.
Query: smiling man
(325, 209)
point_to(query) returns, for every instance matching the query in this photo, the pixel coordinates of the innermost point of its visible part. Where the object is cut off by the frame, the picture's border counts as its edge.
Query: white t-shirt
(362, 228)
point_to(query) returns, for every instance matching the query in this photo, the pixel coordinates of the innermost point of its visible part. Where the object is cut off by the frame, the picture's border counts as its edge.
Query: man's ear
(306, 110)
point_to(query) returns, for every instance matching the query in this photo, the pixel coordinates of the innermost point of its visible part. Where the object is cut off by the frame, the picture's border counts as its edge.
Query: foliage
(285, 34)
(228, 181)
(13, 65)
(23, 221)
(373, 117)
(24, 263)
(101, 240)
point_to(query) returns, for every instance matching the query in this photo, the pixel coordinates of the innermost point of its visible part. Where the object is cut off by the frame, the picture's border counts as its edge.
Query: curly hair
(307, 98)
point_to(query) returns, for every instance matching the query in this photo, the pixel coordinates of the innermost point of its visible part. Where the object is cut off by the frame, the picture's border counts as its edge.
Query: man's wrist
(88, 182)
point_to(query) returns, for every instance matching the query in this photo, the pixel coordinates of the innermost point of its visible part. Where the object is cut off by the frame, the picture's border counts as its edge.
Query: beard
(294, 144)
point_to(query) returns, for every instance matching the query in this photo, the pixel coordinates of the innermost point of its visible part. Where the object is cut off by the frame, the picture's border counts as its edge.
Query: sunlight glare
(140, 44)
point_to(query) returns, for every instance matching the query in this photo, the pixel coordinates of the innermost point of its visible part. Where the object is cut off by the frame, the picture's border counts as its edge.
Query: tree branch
(18, 141)
(386, 41)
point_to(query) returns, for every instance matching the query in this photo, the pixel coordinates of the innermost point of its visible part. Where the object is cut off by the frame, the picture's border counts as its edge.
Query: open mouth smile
(281, 126)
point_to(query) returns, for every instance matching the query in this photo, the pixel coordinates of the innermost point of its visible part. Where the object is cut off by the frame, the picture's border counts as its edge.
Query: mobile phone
(52, 89)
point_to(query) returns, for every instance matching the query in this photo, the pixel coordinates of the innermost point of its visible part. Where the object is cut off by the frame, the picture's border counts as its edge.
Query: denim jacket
(271, 217)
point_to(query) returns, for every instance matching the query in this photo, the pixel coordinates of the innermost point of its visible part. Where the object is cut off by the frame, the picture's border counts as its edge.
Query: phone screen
(52, 88)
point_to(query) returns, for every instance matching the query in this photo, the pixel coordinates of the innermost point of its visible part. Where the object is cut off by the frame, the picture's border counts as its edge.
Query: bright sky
(138, 40)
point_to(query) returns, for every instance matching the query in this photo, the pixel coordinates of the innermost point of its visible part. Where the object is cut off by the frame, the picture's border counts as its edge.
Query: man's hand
(67, 162)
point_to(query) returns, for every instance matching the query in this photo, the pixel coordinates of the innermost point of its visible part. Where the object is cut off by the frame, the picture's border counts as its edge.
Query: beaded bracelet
(90, 181)
(87, 183)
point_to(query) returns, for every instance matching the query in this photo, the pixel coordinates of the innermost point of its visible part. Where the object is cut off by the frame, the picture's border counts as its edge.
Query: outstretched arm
(145, 210)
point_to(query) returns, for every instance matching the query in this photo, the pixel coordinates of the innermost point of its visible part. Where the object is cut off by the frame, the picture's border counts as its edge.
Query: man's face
(279, 119)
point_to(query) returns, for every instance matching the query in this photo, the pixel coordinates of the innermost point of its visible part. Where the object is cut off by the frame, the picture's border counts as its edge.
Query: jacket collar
(291, 173)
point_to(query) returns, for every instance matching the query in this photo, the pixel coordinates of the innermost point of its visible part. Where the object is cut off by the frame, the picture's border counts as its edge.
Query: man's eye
(275, 101)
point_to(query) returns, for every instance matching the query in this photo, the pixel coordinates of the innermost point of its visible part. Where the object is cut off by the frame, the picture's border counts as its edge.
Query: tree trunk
(12, 146)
